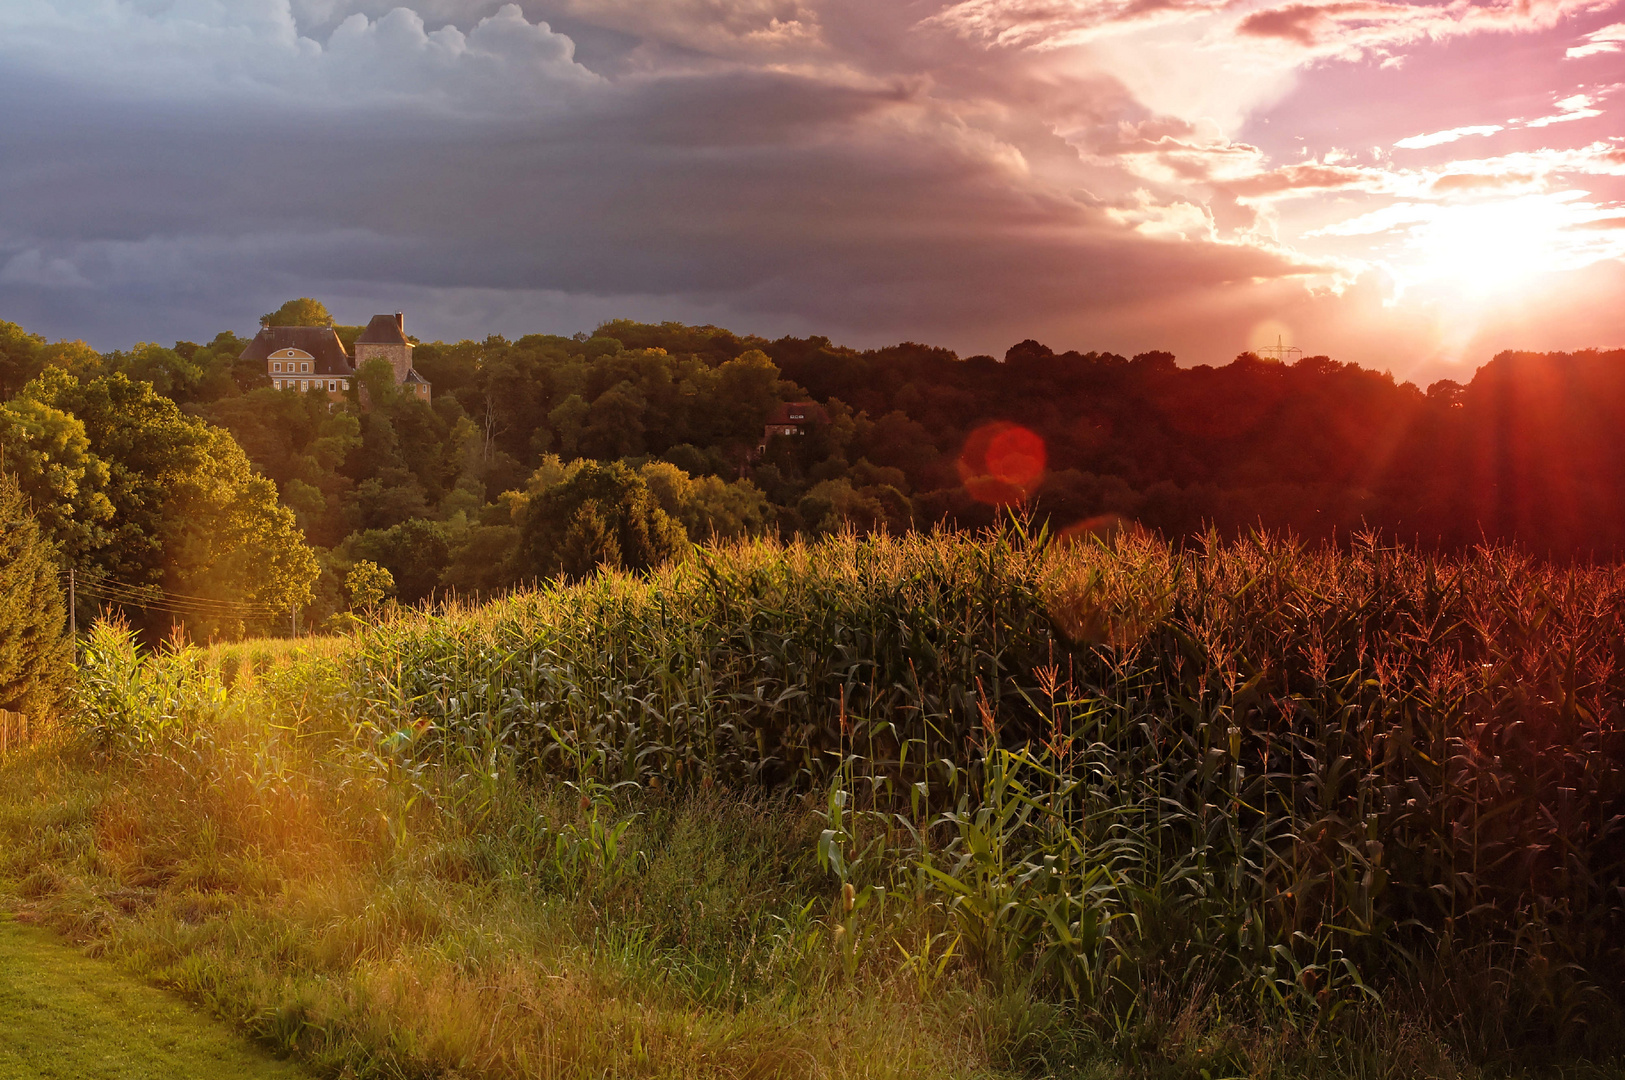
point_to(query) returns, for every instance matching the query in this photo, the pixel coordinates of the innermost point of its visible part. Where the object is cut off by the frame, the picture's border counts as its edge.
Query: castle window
(346, 383)
(277, 366)
(331, 386)
(304, 367)
(279, 384)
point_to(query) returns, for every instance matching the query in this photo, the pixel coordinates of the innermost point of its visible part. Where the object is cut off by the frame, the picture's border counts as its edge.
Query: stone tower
(385, 339)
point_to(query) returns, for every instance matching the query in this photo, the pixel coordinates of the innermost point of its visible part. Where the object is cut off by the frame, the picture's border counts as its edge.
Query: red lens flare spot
(1002, 463)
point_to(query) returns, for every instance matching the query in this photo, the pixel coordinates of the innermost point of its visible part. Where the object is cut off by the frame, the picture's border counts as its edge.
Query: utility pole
(73, 608)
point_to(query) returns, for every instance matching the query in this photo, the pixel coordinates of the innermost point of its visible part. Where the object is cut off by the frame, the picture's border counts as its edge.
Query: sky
(1410, 186)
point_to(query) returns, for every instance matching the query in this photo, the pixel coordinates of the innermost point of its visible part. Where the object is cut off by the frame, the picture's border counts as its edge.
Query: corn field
(1311, 777)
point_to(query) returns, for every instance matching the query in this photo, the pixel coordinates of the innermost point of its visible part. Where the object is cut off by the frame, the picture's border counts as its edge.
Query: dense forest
(180, 486)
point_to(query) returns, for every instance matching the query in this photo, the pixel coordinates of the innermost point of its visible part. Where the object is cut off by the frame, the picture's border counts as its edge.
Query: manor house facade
(312, 358)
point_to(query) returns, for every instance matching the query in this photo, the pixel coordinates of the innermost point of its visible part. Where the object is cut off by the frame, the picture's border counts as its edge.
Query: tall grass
(1324, 790)
(1305, 771)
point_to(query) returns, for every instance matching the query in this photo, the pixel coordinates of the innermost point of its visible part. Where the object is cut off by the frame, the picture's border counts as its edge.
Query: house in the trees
(304, 358)
(792, 418)
(312, 358)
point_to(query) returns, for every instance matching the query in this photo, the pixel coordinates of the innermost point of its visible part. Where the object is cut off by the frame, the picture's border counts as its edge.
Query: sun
(1486, 250)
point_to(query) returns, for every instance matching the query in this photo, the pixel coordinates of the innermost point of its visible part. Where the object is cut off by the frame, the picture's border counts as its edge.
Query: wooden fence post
(14, 727)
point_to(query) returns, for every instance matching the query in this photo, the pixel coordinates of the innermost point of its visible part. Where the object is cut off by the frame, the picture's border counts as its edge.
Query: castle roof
(412, 376)
(320, 342)
(384, 330)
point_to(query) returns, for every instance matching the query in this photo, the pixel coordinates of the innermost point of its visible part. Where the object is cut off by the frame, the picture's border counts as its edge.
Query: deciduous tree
(190, 513)
(301, 312)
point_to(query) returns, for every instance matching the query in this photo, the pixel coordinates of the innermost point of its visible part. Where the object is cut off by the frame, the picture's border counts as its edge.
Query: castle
(312, 358)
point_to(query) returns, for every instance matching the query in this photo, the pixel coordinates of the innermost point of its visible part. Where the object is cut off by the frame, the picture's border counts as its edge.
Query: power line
(158, 592)
(179, 609)
(153, 597)
(157, 598)
(113, 583)
(247, 615)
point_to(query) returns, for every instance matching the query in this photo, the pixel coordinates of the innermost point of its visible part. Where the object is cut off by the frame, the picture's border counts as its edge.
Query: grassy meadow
(68, 1018)
(952, 805)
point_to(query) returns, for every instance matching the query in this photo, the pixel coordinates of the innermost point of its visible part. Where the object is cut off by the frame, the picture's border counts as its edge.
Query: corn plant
(1309, 774)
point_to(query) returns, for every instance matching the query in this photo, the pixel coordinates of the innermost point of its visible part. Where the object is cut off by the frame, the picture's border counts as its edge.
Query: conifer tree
(35, 653)
(601, 515)
(588, 543)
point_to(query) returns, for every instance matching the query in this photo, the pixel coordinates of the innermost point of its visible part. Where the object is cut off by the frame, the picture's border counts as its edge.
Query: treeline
(489, 484)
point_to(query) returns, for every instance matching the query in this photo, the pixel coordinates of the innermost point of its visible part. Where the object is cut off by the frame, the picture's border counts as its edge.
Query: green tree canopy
(602, 515)
(20, 357)
(190, 513)
(708, 506)
(368, 585)
(414, 553)
(48, 453)
(301, 312)
(35, 653)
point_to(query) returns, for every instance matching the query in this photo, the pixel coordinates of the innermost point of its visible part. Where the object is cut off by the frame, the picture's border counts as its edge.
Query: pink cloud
(1465, 181)
(1352, 28)
(1439, 138)
(1303, 24)
(1303, 178)
(1054, 23)
(1609, 39)
(1348, 27)
(1576, 107)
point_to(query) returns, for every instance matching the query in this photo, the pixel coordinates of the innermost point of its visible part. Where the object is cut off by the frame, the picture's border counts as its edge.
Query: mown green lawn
(63, 1015)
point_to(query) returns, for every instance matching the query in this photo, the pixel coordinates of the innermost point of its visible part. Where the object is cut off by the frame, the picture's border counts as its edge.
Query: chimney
(400, 322)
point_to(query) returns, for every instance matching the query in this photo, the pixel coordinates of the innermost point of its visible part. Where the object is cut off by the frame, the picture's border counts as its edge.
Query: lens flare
(1002, 463)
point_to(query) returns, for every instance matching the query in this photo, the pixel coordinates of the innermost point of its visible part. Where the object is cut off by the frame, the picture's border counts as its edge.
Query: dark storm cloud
(808, 192)
(870, 171)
